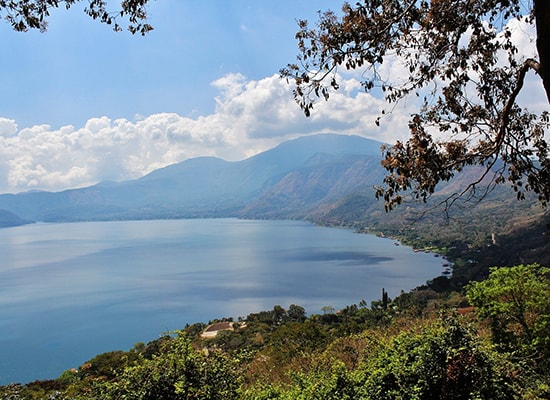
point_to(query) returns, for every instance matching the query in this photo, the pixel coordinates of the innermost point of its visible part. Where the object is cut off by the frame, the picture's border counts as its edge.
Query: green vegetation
(516, 303)
(420, 345)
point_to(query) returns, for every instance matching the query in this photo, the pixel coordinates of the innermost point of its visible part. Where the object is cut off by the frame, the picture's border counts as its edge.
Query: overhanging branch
(505, 115)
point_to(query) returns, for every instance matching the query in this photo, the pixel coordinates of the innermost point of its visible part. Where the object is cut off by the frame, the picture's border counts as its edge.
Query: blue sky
(80, 103)
(79, 68)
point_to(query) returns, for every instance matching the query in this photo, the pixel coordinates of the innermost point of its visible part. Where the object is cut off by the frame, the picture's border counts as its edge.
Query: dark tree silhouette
(33, 14)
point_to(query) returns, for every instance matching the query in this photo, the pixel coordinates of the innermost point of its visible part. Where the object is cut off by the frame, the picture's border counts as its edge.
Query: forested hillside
(473, 236)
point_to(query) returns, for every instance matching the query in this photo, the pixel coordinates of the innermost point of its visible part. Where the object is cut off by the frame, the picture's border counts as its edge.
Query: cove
(70, 291)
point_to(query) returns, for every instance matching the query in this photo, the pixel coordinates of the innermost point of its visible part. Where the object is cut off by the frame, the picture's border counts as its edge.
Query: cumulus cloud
(250, 116)
(8, 127)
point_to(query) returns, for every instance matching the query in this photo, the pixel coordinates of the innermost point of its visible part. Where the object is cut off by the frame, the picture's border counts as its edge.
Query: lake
(74, 290)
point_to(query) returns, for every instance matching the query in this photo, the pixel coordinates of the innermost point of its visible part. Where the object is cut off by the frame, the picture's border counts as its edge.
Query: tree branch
(542, 20)
(505, 115)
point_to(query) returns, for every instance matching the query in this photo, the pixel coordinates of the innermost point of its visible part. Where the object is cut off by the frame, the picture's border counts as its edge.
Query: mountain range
(289, 181)
(328, 179)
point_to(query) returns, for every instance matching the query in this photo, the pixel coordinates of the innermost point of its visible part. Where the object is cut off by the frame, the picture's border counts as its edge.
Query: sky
(80, 104)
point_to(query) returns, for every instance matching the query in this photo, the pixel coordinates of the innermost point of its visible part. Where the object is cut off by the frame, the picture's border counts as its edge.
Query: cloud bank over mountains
(250, 116)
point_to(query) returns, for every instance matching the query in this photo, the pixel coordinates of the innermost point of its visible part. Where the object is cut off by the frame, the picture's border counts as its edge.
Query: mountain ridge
(202, 186)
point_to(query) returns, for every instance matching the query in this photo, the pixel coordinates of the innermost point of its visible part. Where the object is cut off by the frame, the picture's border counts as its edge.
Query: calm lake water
(71, 291)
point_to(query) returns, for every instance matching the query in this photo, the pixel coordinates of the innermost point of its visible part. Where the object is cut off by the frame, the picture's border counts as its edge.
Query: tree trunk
(542, 20)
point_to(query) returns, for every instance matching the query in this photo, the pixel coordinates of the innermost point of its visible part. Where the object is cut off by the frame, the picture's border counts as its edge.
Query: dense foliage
(420, 345)
(516, 303)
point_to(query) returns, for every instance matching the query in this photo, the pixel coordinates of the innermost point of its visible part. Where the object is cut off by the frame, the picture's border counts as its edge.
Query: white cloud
(8, 127)
(249, 117)
(96, 125)
(523, 35)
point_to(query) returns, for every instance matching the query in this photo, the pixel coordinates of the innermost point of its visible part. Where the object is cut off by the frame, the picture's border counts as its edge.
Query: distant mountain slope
(321, 166)
(8, 219)
(323, 181)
